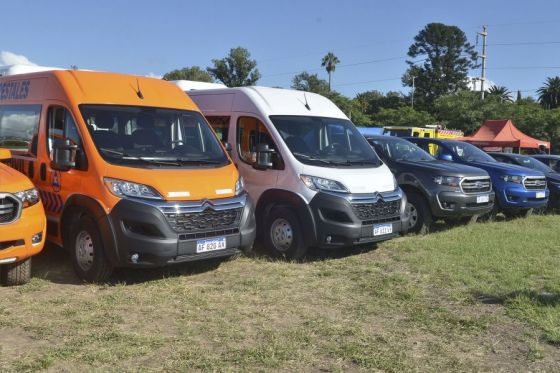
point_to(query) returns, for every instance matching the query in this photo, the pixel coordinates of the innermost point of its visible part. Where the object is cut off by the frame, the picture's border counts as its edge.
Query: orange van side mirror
(5, 154)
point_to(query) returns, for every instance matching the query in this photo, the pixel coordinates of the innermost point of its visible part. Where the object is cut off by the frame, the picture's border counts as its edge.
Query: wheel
(419, 214)
(283, 234)
(87, 252)
(14, 274)
(518, 213)
(491, 215)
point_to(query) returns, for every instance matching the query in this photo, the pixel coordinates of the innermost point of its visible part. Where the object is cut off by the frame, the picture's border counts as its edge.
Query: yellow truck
(432, 131)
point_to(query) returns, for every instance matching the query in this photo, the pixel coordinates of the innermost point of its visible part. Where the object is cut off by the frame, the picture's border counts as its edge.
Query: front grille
(376, 211)
(208, 219)
(478, 185)
(533, 183)
(9, 209)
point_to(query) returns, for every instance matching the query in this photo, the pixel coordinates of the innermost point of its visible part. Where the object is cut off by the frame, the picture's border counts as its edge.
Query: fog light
(37, 238)
(134, 258)
(328, 239)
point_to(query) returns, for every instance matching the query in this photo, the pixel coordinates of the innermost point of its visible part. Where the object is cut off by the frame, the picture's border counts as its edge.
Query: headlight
(451, 181)
(318, 183)
(122, 188)
(28, 197)
(239, 186)
(512, 178)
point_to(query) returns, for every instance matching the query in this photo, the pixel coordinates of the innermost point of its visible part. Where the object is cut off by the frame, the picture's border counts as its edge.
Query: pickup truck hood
(503, 168)
(553, 176)
(445, 168)
(12, 181)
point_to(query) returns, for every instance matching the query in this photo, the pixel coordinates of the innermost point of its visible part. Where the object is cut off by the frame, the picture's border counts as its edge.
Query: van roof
(268, 101)
(93, 87)
(23, 69)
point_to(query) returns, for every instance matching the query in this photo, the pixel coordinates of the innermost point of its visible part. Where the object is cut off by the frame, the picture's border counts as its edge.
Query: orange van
(22, 223)
(129, 171)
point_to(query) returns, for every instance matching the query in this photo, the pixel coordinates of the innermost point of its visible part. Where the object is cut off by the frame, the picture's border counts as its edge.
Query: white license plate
(381, 229)
(213, 244)
(483, 199)
(540, 195)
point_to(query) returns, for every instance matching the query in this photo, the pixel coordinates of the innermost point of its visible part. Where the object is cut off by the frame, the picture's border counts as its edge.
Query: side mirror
(264, 157)
(445, 157)
(5, 154)
(63, 155)
(227, 146)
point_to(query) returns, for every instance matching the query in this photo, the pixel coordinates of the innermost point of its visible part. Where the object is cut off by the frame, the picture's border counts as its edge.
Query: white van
(314, 178)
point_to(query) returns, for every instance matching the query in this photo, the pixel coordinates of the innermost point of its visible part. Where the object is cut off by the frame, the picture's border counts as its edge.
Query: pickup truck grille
(534, 183)
(9, 209)
(478, 185)
(376, 211)
(208, 219)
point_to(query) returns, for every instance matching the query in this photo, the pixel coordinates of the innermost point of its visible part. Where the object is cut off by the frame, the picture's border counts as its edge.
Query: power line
(522, 67)
(525, 43)
(366, 82)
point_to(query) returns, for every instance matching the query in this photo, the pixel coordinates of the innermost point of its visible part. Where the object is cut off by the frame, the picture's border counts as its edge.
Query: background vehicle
(518, 189)
(130, 171)
(552, 161)
(552, 178)
(315, 179)
(22, 224)
(431, 131)
(434, 189)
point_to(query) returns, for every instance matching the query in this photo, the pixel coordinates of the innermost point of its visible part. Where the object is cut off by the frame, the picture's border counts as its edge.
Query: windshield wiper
(362, 162)
(196, 161)
(126, 156)
(312, 159)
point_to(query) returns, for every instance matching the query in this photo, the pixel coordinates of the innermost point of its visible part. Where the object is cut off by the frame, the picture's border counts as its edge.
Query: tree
(549, 94)
(519, 98)
(329, 62)
(237, 69)
(403, 116)
(189, 73)
(370, 102)
(310, 83)
(500, 92)
(447, 57)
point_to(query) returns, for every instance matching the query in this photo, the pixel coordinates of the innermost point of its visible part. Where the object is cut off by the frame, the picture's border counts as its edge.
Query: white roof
(24, 69)
(268, 101)
(191, 85)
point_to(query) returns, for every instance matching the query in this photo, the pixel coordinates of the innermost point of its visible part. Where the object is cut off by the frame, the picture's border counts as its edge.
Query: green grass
(471, 298)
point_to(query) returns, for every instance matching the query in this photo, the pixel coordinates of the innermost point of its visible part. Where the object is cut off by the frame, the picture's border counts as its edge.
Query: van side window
(220, 125)
(250, 132)
(19, 128)
(61, 125)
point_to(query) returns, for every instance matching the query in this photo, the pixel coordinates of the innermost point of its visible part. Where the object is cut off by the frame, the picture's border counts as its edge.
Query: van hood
(444, 168)
(12, 181)
(185, 184)
(504, 168)
(357, 180)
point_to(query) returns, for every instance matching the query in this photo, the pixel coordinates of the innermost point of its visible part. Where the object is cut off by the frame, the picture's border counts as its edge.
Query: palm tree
(500, 92)
(549, 94)
(329, 63)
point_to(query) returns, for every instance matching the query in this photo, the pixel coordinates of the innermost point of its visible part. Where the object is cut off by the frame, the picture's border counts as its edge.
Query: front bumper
(519, 198)
(144, 236)
(453, 204)
(337, 223)
(15, 237)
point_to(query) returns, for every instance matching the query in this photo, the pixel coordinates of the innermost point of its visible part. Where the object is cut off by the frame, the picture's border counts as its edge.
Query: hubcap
(84, 250)
(282, 234)
(412, 215)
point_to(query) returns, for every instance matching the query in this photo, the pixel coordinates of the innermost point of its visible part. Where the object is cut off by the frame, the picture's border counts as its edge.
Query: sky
(371, 38)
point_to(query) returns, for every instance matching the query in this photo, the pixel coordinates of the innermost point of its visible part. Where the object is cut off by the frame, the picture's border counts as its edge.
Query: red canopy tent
(503, 133)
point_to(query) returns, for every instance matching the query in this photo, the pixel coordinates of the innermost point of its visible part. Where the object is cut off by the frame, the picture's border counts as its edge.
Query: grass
(470, 298)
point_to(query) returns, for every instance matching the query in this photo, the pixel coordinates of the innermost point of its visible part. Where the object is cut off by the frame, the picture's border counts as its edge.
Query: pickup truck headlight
(239, 186)
(122, 188)
(451, 181)
(28, 197)
(318, 183)
(512, 179)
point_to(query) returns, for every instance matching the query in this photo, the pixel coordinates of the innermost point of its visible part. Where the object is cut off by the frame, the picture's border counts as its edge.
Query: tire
(419, 215)
(283, 234)
(518, 214)
(15, 274)
(87, 251)
(491, 215)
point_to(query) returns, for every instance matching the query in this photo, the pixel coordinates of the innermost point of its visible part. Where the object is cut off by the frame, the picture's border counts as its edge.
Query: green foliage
(500, 92)
(329, 62)
(350, 108)
(189, 73)
(447, 57)
(310, 83)
(371, 102)
(549, 94)
(237, 69)
(402, 116)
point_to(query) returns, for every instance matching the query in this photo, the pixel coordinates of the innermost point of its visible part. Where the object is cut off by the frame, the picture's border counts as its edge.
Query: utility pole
(413, 88)
(484, 34)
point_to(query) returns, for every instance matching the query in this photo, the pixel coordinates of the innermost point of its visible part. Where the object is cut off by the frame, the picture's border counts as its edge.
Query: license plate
(381, 229)
(483, 199)
(541, 195)
(213, 244)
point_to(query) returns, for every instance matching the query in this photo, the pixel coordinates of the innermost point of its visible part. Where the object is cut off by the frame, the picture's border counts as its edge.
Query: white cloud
(154, 75)
(8, 58)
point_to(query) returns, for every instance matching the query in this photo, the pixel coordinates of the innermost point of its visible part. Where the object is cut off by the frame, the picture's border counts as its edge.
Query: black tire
(15, 274)
(518, 214)
(88, 254)
(283, 236)
(420, 217)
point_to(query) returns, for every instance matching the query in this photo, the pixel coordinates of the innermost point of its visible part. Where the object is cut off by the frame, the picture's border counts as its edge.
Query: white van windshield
(326, 142)
(152, 137)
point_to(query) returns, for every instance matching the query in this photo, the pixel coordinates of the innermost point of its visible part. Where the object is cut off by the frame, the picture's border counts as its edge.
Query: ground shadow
(540, 298)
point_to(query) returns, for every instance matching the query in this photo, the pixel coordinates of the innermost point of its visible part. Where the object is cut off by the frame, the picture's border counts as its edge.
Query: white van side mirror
(264, 157)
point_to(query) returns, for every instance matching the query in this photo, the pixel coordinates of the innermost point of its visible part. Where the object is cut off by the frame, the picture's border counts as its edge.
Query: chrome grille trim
(10, 208)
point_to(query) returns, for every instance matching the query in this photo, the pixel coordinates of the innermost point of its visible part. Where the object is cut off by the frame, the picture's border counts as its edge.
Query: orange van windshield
(150, 137)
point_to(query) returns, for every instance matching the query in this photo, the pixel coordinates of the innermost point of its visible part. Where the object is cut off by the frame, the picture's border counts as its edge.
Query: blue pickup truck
(518, 190)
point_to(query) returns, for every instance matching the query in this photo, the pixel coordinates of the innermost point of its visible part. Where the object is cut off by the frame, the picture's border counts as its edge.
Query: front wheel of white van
(284, 235)
(88, 257)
